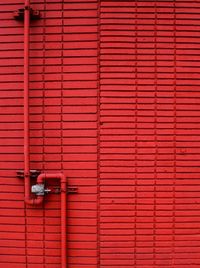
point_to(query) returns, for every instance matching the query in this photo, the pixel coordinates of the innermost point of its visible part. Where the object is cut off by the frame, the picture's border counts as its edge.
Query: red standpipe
(27, 183)
(42, 177)
(63, 182)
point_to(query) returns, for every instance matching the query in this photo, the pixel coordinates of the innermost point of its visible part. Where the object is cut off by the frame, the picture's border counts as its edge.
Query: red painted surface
(39, 198)
(114, 104)
(42, 179)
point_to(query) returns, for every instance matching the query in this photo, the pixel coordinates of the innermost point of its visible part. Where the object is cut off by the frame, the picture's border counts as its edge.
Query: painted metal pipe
(63, 183)
(39, 199)
(42, 177)
(27, 183)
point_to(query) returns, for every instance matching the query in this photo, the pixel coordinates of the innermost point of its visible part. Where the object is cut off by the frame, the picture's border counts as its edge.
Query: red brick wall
(114, 104)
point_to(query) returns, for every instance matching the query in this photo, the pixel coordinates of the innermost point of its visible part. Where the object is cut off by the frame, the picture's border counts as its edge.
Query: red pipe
(39, 199)
(63, 182)
(42, 177)
(27, 183)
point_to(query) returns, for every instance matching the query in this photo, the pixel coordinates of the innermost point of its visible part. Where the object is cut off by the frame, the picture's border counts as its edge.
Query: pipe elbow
(41, 178)
(28, 201)
(39, 200)
(34, 201)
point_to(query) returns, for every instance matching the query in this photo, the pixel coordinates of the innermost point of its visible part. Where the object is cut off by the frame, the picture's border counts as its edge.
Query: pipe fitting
(38, 189)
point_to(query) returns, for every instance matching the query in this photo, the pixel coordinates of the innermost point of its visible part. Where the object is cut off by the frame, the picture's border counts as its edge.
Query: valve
(38, 189)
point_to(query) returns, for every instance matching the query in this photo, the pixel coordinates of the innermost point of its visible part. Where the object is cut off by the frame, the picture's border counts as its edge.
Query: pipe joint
(34, 201)
(39, 189)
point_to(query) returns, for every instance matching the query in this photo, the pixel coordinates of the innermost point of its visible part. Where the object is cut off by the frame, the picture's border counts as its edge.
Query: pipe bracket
(70, 190)
(33, 174)
(19, 14)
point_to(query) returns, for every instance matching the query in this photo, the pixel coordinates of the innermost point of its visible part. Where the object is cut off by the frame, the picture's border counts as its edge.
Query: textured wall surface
(115, 105)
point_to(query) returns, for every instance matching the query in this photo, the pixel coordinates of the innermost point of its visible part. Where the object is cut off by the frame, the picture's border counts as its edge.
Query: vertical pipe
(27, 184)
(39, 199)
(26, 100)
(63, 224)
(63, 185)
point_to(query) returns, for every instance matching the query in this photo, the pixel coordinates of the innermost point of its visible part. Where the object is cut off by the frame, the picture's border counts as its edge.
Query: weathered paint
(115, 100)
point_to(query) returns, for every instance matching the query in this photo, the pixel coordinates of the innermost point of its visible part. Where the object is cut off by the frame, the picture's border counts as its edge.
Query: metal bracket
(56, 190)
(33, 174)
(19, 14)
(70, 190)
